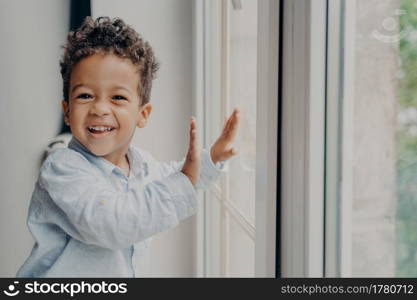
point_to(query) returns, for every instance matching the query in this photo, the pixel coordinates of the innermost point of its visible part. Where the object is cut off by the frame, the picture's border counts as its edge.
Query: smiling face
(104, 106)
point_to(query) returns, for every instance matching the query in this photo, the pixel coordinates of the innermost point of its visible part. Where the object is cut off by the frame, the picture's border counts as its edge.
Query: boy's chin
(99, 152)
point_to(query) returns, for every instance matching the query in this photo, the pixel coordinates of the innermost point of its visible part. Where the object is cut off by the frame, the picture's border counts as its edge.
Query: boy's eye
(84, 96)
(118, 97)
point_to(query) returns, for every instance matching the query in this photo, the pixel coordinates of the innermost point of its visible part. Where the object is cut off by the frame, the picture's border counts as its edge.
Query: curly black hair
(105, 35)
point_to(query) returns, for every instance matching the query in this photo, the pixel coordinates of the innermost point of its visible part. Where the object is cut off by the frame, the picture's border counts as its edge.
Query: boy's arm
(94, 213)
(209, 174)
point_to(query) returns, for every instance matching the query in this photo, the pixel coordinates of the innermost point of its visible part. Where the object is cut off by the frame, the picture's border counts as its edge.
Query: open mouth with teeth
(100, 130)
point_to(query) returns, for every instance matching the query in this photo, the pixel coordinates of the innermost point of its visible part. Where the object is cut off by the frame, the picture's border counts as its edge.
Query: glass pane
(384, 126)
(243, 75)
(232, 58)
(214, 236)
(242, 252)
(406, 143)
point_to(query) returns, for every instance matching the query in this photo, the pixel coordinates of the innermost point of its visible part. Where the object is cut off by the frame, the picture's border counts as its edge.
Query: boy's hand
(191, 166)
(222, 148)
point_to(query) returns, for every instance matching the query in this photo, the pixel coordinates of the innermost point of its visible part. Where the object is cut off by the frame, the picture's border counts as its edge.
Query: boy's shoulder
(142, 154)
(65, 156)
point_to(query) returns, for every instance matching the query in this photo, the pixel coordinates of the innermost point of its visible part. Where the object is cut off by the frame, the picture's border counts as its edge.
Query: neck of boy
(121, 162)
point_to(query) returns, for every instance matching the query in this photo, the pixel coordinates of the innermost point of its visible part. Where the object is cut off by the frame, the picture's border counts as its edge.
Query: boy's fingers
(235, 122)
(193, 136)
(227, 125)
(232, 120)
(233, 126)
(193, 123)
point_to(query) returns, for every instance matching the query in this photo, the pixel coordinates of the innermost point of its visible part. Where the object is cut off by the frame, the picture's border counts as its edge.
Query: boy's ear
(65, 108)
(145, 112)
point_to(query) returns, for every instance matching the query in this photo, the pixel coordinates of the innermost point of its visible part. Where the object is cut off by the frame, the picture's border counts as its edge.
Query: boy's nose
(99, 107)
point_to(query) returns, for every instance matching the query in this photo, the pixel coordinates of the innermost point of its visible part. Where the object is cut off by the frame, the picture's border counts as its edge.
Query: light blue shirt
(89, 219)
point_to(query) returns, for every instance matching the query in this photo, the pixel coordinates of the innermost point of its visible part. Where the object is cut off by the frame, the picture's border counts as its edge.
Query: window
(372, 104)
(227, 63)
(349, 138)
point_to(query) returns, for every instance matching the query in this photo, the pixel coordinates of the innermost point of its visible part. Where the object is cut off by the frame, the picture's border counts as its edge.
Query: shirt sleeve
(209, 174)
(95, 213)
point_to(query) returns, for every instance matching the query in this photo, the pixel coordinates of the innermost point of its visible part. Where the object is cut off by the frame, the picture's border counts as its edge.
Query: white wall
(167, 25)
(31, 33)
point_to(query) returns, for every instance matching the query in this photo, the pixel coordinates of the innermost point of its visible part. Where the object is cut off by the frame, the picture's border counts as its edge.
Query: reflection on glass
(242, 249)
(384, 190)
(375, 103)
(406, 231)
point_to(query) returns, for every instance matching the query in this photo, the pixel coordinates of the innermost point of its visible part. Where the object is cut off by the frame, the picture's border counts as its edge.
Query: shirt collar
(134, 158)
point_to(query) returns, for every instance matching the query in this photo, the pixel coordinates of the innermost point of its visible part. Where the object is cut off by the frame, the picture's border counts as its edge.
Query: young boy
(97, 203)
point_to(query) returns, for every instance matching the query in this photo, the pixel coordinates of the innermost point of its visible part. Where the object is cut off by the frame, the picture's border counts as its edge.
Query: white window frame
(317, 177)
(266, 250)
(303, 138)
(349, 36)
(340, 135)
(208, 64)
(333, 167)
